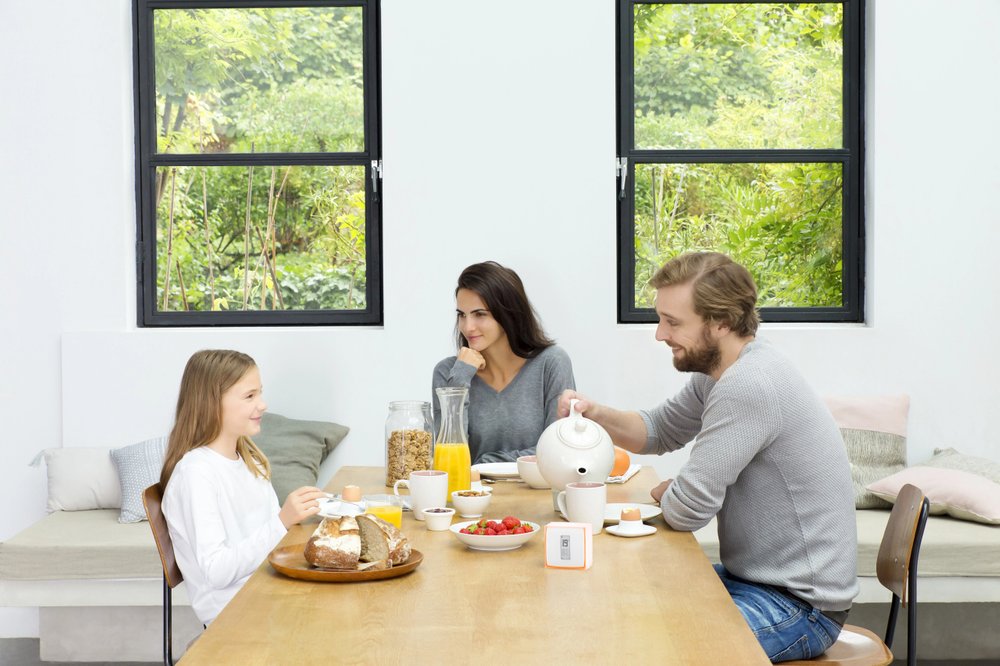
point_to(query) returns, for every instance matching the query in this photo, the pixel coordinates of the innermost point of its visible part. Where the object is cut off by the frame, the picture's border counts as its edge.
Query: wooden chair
(151, 500)
(896, 567)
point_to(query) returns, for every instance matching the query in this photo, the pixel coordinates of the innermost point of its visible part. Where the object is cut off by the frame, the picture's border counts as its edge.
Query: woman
(221, 510)
(513, 371)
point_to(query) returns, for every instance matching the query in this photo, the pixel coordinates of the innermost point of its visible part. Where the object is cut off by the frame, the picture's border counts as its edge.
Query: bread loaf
(359, 543)
(382, 541)
(336, 544)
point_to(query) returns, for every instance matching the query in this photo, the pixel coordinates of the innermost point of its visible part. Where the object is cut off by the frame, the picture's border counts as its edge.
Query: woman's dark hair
(503, 293)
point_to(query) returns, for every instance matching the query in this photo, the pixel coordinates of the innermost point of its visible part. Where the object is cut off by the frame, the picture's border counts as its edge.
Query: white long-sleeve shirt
(223, 521)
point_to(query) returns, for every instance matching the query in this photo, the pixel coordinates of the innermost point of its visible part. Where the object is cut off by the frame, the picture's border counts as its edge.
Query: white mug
(428, 488)
(584, 502)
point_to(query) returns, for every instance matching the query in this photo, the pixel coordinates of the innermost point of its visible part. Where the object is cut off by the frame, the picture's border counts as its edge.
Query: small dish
(527, 469)
(504, 470)
(613, 511)
(471, 506)
(495, 542)
(438, 518)
(630, 531)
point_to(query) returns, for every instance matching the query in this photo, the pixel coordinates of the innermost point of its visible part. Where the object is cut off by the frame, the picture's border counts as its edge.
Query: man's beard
(704, 358)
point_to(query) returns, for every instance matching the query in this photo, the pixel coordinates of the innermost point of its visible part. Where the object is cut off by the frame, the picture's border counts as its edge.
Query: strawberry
(527, 527)
(518, 530)
(480, 530)
(483, 523)
(493, 524)
(510, 522)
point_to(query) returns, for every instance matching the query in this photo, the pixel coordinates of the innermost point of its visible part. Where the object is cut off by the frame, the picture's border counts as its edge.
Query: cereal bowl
(527, 467)
(493, 542)
(471, 503)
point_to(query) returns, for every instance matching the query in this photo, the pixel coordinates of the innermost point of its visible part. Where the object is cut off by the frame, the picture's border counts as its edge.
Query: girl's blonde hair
(208, 374)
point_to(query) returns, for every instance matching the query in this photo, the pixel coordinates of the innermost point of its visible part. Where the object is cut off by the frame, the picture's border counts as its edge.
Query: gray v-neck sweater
(769, 460)
(506, 424)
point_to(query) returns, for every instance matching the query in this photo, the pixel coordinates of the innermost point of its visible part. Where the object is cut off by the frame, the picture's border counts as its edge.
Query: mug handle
(395, 486)
(561, 503)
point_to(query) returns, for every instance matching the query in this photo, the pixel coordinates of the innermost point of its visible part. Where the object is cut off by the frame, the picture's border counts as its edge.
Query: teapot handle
(573, 413)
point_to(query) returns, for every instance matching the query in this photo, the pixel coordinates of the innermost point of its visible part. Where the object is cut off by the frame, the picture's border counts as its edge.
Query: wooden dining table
(653, 599)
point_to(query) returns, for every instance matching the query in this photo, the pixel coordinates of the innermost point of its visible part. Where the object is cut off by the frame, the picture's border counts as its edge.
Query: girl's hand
(300, 504)
(472, 357)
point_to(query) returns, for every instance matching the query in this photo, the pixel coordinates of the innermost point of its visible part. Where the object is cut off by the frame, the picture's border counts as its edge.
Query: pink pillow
(959, 494)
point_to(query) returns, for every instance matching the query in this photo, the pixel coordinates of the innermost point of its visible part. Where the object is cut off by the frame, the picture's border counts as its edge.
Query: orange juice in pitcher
(451, 452)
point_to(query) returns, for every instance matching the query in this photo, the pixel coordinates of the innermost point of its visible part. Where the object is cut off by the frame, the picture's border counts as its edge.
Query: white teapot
(574, 449)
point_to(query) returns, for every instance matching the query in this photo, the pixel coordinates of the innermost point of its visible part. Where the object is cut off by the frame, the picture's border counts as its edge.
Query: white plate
(613, 512)
(493, 542)
(646, 530)
(506, 470)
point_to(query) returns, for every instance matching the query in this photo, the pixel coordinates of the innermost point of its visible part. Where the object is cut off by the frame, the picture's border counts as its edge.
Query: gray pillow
(952, 459)
(295, 449)
(873, 455)
(139, 467)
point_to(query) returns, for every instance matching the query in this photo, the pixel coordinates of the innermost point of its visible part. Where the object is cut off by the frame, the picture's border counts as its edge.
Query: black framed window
(258, 162)
(740, 131)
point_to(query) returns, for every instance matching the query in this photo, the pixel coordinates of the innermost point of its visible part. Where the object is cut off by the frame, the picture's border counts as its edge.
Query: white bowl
(472, 506)
(527, 467)
(438, 519)
(496, 541)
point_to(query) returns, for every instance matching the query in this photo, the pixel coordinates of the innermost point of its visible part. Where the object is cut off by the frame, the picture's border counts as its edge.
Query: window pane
(781, 221)
(300, 247)
(259, 80)
(738, 76)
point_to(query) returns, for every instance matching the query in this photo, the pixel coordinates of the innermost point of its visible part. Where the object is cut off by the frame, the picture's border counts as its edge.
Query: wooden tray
(291, 561)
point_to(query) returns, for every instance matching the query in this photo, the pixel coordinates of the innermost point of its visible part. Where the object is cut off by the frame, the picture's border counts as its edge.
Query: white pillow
(81, 478)
(139, 467)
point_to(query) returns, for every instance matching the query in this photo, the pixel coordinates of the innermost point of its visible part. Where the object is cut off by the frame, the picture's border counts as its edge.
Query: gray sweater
(770, 462)
(504, 425)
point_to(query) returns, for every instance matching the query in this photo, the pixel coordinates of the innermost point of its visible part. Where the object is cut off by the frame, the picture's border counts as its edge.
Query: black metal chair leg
(168, 630)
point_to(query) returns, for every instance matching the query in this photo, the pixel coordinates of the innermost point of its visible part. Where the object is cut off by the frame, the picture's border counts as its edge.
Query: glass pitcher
(451, 451)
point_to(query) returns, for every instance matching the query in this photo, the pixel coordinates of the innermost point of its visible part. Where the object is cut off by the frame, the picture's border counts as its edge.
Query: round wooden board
(291, 561)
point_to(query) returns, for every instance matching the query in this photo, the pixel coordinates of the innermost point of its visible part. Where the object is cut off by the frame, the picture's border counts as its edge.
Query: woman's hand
(472, 357)
(299, 505)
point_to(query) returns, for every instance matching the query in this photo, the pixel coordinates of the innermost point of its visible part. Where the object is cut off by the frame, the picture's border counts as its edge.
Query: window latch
(376, 177)
(622, 169)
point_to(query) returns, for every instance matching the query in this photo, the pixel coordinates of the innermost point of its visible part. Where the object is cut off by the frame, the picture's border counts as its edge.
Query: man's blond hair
(724, 291)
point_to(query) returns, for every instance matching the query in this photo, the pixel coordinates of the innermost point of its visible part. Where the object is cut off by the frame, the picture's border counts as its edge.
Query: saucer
(644, 530)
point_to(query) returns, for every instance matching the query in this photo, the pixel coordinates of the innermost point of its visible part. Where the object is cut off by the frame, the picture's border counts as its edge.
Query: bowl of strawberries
(505, 533)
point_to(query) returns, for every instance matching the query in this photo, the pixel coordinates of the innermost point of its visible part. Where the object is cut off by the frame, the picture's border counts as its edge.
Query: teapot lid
(577, 431)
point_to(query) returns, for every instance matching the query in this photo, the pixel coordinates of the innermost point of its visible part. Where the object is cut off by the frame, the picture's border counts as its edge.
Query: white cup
(428, 488)
(584, 502)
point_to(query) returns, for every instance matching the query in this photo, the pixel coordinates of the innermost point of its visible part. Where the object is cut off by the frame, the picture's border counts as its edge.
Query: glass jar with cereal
(409, 439)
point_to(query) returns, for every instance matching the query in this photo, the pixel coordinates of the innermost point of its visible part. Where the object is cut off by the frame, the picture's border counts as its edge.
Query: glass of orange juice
(390, 510)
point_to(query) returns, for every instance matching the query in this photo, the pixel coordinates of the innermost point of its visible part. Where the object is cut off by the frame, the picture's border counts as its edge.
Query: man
(767, 459)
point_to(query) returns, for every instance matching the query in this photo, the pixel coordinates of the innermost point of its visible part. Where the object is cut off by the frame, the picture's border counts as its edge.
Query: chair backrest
(901, 541)
(152, 500)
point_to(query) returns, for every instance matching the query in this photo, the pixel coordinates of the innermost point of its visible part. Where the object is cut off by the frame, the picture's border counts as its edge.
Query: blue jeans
(786, 628)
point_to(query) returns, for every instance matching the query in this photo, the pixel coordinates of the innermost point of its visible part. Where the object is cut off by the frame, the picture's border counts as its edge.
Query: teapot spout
(581, 472)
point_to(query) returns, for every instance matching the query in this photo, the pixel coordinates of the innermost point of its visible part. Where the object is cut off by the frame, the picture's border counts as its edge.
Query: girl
(514, 373)
(221, 510)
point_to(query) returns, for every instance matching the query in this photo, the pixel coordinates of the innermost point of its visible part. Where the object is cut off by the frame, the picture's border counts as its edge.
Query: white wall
(499, 143)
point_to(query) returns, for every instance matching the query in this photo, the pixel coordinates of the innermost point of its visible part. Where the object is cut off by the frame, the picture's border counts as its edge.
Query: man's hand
(657, 492)
(582, 406)
(472, 357)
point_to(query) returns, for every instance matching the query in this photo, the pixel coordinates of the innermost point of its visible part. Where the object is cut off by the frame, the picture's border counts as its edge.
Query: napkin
(629, 473)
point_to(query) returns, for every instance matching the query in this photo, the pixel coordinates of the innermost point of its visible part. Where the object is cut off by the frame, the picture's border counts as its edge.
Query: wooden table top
(653, 599)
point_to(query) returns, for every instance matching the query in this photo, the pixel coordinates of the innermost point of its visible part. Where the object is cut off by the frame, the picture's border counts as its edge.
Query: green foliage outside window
(266, 80)
(742, 77)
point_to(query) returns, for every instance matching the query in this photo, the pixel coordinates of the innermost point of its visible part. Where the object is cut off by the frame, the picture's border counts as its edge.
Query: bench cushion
(950, 547)
(80, 544)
